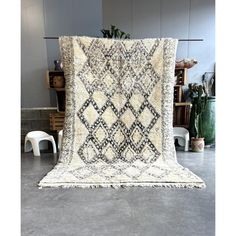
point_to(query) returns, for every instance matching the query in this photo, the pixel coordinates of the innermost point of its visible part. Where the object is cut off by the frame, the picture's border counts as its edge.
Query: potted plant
(198, 100)
(114, 33)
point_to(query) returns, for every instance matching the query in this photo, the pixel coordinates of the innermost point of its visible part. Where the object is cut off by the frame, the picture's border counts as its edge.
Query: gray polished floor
(125, 212)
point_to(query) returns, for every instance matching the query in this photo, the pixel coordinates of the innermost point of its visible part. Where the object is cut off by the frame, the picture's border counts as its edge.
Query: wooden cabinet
(181, 111)
(181, 114)
(55, 80)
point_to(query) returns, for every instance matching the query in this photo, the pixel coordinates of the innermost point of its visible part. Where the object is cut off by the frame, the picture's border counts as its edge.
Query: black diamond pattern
(123, 134)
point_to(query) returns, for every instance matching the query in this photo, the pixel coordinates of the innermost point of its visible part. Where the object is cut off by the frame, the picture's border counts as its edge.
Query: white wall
(33, 55)
(41, 18)
(169, 18)
(70, 17)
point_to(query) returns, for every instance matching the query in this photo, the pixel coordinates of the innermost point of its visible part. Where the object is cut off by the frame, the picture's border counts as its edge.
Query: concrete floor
(125, 212)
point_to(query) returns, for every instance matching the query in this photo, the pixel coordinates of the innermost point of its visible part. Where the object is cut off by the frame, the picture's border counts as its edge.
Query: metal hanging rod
(182, 40)
(191, 40)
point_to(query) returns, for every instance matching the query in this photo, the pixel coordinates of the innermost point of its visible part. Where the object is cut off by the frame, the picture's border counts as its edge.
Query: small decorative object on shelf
(185, 63)
(58, 81)
(58, 65)
(55, 80)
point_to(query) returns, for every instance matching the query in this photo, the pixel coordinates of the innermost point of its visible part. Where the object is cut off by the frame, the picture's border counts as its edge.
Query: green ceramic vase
(208, 121)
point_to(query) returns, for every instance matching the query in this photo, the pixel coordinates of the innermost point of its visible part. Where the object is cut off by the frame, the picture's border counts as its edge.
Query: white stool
(60, 134)
(182, 135)
(33, 138)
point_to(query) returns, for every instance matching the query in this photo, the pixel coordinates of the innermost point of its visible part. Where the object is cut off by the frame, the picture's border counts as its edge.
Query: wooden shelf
(181, 110)
(184, 126)
(178, 93)
(55, 80)
(181, 76)
(57, 121)
(51, 82)
(58, 89)
(181, 114)
(180, 104)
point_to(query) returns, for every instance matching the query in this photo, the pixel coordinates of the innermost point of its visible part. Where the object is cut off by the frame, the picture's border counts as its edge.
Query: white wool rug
(118, 120)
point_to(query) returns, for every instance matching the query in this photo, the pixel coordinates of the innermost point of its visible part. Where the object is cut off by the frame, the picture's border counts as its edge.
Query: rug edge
(199, 185)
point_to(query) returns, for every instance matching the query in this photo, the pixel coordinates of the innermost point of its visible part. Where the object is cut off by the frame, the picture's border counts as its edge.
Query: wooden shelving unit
(57, 121)
(181, 112)
(59, 89)
(181, 76)
(55, 80)
(178, 93)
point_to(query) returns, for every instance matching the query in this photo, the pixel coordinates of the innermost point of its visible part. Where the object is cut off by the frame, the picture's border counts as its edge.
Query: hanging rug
(118, 120)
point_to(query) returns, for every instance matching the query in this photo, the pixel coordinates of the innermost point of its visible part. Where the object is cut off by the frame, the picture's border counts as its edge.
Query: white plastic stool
(33, 138)
(182, 135)
(60, 134)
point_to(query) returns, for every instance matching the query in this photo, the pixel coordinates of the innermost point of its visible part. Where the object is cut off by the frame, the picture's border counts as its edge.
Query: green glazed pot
(208, 121)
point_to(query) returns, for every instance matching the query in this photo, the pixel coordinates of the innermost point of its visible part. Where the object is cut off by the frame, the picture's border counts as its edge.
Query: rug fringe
(126, 185)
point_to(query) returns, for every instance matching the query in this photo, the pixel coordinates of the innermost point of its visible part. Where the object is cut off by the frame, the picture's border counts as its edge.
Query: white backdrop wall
(33, 56)
(41, 18)
(70, 17)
